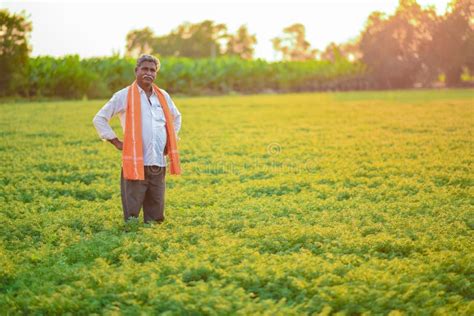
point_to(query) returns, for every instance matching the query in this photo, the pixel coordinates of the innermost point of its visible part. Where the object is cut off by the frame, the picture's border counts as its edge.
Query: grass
(289, 204)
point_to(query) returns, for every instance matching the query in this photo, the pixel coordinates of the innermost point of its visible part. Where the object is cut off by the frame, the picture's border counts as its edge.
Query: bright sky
(98, 28)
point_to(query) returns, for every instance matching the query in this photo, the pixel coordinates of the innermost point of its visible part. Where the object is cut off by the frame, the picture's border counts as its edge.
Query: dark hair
(150, 58)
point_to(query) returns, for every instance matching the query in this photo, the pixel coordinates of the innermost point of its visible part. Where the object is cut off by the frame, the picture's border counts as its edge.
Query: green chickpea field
(355, 203)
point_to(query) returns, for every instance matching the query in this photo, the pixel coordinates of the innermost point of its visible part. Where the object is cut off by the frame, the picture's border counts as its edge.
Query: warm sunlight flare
(60, 28)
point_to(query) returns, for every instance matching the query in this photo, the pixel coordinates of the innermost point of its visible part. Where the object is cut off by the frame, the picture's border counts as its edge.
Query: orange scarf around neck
(132, 152)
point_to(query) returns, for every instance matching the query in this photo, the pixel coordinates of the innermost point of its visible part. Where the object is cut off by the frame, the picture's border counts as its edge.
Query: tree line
(414, 46)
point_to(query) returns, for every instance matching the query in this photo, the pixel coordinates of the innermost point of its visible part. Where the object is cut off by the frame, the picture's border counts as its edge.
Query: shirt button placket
(153, 123)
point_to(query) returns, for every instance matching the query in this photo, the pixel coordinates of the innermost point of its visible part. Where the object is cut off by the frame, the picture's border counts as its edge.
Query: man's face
(146, 73)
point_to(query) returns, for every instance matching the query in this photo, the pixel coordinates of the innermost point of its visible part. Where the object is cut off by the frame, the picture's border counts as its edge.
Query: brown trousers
(149, 193)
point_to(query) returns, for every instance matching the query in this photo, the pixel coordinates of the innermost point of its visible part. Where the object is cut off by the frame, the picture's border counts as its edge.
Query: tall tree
(293, 44)
(140, 42)
(241, 44)
(187, 40)
(14, 49)
(193, 40)
(452, 48)
(332, 52)
(391, 45)
(349, 51)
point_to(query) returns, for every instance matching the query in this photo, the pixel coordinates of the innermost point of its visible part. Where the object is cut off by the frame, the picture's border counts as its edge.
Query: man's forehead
(147, 64)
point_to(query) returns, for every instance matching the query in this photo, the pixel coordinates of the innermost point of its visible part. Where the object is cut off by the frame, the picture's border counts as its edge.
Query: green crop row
(72, 77)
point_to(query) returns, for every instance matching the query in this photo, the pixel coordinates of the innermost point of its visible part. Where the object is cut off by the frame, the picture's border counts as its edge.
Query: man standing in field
(150, 122)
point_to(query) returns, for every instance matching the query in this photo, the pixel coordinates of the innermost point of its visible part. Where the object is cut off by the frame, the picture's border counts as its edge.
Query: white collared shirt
(153, 123)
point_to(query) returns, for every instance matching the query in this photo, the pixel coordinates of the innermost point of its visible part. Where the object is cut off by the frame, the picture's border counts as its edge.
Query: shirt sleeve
(102, 118)
(176, 114)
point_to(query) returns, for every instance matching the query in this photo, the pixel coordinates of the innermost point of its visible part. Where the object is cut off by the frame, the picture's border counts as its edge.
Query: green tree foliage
(241, 44)
(140, 42)
(293, 44)
(349, 51)
(332, 52)
(199, 40)
(14, 50)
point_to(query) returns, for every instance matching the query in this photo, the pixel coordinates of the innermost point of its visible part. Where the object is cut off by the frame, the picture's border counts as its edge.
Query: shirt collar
(143, 91)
